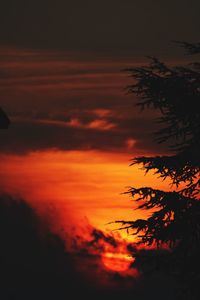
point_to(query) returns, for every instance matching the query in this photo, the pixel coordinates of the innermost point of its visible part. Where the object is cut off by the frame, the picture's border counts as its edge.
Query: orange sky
(76, 184)
(73, 134)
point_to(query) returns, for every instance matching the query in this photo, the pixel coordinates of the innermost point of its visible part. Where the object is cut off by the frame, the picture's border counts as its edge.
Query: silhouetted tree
(175, 214)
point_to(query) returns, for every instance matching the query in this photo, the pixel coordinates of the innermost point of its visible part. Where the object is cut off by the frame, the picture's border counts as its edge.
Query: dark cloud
(41, 265)
(99, 235)
(36, 263)
(69, 103)
(112, 26)
(25, 136)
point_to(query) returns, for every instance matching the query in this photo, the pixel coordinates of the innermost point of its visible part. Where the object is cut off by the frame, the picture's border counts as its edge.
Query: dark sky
(139, 27)
(59, 101)
(66, 89)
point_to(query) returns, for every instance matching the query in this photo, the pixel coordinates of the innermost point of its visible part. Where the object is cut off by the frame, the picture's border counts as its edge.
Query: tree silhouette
(175, 214)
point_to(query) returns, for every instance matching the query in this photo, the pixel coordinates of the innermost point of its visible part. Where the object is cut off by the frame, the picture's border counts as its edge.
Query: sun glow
(117, 262)
(76, 184)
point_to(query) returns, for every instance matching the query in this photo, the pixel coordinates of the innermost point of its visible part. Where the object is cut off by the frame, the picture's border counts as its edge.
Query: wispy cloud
(60, 100)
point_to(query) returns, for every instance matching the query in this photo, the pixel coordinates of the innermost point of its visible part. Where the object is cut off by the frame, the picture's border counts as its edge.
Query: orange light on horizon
(117, 262)
(77, 185)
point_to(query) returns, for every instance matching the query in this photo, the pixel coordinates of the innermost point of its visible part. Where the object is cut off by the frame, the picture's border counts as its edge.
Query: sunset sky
(74, 130)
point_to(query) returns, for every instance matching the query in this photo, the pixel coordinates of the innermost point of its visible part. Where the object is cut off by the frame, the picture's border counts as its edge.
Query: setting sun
(117, 262)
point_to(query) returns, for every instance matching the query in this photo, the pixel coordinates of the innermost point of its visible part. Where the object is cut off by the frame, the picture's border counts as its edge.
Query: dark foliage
(34, 263)
(175, 214)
